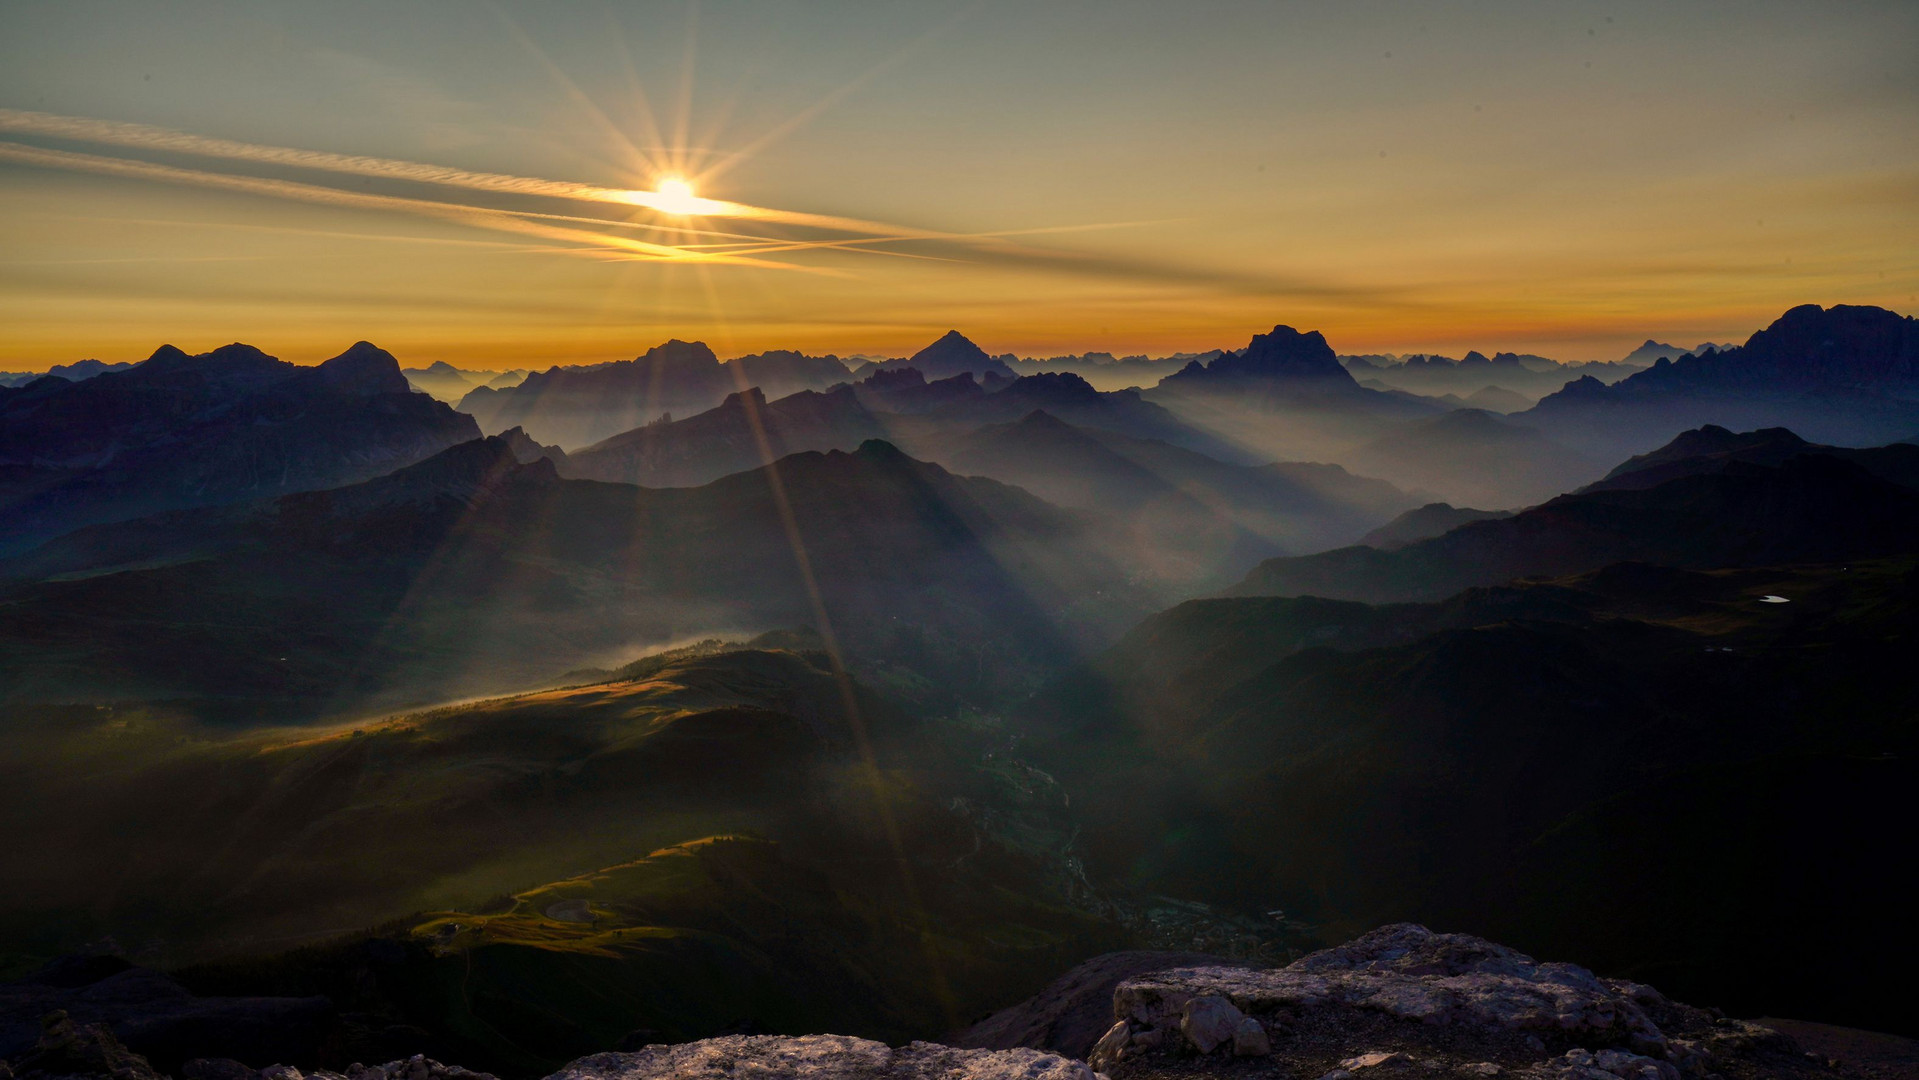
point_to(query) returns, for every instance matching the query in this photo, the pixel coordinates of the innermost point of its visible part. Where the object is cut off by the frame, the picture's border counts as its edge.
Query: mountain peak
(739, 398)
(1041, 420)
(167, 355)
(954, 354)
(673, 350)
(364, 369)
(1285, 353)
(881, 450)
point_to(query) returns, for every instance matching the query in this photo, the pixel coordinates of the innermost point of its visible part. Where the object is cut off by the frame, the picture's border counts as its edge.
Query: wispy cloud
(683, 227)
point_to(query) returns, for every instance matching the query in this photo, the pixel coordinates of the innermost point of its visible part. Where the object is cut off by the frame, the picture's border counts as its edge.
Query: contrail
(501, 220)
(147, 137)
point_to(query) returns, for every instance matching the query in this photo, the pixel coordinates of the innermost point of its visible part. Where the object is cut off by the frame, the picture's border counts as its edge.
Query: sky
(497, 184)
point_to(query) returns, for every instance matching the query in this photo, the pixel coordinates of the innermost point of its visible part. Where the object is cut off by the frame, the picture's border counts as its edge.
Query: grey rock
(1207, 1020)
(1411, 973)
(1603, 1065)
(1108, 1050)
(822, 1057)
(1250, 1039)
(1072, 1012)
(1379, 1061)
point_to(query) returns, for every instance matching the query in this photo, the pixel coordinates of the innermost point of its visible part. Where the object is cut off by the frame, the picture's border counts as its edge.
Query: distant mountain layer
(1842, 375)
(229, 425)
(1808, 508)
(474, 571)
(1475, 457)
(1426, 522)
(450, 384)
(1651, 352)
(1506, 376)
(951, 355)
(578, 406)
(77, 371)
(1109, 372)
(1110, 453)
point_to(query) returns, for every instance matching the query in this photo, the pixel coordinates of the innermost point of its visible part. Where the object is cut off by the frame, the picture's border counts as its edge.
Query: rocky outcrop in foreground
(1401, 1001)
(823, 1057)
(1404, 1000)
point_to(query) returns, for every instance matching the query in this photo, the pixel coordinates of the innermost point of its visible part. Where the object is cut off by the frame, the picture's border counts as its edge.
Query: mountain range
(77, 371)
(1523, 376)
(866, 701)
(229, 425)
(1843, 375)
(474, 571)
(951, 355)
(448, 383)
(1696, 510)
(574, 407)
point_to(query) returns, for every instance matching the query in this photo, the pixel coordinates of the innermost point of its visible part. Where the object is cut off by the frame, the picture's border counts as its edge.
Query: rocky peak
(1285, 354)
(953, 355)
(364, 369)
(675, 351)
(166, 356)
(739, 399)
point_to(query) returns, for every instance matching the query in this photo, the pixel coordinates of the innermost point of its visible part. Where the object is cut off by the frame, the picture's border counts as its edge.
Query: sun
(674, 195)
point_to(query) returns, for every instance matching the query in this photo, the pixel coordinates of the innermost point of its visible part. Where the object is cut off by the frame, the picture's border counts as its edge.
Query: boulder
(1209, 1020)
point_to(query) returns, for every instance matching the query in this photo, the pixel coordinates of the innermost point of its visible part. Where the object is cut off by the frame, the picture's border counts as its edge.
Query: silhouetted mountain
(906, 390)
(1505, 375)
(1474, 457)
(1652, 352)
(1630, 768)
(526, 451)
(578, 406)
(78, 371)
(229, 425)
(1275, 362)
(472, 570)
(951, 355)
(1845, 375)
(1284, 396)
(925, 418)
(450, 384)
(1713, 449)
(1210, 516)
(1496, 399)
(1073, 399)
(1108, 372)
(745, 432)
(1426, 522)
(1181, 499)
(1810, 509)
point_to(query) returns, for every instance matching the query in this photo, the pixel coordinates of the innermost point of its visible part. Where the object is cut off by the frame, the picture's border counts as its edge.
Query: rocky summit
(1401, 1001)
